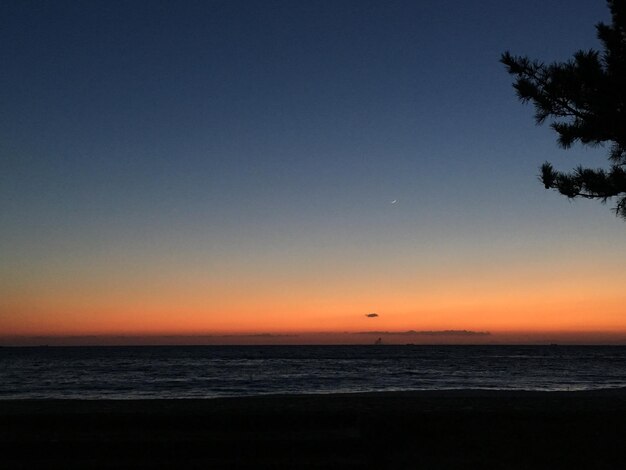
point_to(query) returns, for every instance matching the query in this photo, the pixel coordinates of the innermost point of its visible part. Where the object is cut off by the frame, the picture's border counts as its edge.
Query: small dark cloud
(371, 315)
(426, 333)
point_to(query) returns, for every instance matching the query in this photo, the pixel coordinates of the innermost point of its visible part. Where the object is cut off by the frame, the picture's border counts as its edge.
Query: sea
(229, 371)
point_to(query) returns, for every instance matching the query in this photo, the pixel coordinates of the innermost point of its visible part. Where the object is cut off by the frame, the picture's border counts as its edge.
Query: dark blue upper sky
(137, 104)
(220, 130)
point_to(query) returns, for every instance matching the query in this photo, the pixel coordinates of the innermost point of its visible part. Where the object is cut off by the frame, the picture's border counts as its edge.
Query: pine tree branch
(585, 98)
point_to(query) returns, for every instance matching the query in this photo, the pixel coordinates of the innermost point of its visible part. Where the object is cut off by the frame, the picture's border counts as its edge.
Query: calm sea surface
(214, 371)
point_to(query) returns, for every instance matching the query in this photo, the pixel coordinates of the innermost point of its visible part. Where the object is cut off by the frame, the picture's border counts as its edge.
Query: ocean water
(216, 371)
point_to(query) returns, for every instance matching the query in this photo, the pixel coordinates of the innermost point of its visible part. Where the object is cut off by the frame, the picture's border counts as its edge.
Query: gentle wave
(216, 371)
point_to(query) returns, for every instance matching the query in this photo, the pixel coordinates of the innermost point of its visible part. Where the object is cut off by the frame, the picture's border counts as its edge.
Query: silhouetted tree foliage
(585, 100)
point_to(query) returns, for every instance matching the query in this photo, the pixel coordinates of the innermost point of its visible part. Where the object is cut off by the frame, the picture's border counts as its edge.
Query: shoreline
(430, 429)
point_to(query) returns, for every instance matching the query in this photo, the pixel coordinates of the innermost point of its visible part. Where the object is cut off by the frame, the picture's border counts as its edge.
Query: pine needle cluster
(585, 101)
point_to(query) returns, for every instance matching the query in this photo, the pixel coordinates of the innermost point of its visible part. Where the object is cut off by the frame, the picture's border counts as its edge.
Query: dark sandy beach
(430, 430)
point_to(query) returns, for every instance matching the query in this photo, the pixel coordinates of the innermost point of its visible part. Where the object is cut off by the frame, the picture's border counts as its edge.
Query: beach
(430, 429)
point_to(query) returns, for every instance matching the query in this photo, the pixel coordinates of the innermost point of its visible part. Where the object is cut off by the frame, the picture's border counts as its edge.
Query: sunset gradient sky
(211, 168)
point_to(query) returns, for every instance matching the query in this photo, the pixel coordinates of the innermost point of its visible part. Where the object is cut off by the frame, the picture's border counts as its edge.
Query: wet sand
(430, 430)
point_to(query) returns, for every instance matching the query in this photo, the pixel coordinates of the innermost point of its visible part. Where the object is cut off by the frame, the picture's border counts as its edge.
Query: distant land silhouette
(427, 333)
(389, 337)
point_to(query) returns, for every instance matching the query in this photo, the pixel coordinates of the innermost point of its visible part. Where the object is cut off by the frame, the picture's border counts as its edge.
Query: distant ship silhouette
(378, 341)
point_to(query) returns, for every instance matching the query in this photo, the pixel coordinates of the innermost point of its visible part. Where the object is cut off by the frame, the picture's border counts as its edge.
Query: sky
(275, 171)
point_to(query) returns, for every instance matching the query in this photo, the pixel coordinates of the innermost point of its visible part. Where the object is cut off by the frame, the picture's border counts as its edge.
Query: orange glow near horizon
(509, 305)
(555, 310)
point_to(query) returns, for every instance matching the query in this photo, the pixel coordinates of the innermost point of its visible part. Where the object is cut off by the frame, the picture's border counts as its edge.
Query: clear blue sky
(268, 138)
